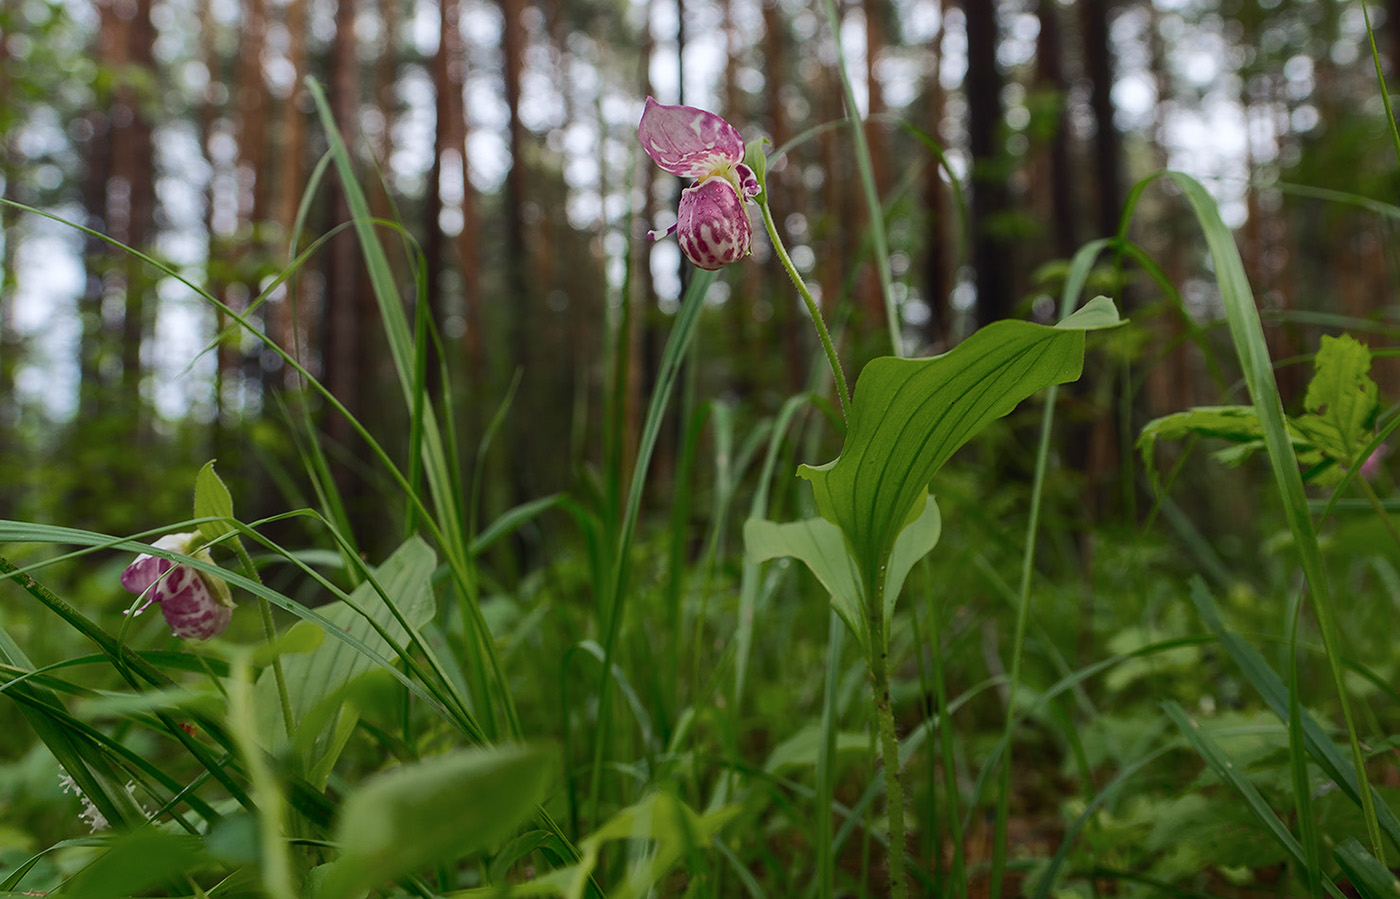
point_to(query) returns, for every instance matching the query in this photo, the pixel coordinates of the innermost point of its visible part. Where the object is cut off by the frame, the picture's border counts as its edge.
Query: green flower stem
(812, 308)
(270, 634)
(878, 660)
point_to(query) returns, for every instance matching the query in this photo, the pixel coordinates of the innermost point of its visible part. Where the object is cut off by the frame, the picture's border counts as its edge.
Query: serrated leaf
(819, 545)
(1341, 399)
(212, 500)
(908, 416)
(434, 810)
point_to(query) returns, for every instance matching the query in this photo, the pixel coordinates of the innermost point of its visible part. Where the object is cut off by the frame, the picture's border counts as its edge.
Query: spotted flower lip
(197, 606)
(712, 224)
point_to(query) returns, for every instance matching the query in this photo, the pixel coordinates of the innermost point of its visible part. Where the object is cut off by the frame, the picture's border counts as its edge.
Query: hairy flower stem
(813, 310)
(878, 660)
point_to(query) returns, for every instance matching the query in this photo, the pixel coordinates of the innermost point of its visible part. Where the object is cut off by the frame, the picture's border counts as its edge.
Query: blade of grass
(1247, 334)
(1275, 695)
(826, 756)
(615, 590)
(1226, 770)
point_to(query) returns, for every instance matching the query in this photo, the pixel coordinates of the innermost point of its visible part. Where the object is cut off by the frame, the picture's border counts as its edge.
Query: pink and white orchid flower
(197, 606)
(712, 225)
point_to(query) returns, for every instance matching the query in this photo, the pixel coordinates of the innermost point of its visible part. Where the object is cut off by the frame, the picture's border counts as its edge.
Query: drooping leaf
(819, 545)
(909, 416)
(1341, 399)
(435, 810)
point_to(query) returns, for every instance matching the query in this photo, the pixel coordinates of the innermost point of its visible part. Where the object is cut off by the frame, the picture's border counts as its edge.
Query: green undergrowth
(1194, 695)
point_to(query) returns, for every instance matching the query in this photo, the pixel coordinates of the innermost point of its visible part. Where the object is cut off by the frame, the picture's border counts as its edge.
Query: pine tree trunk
(992, 256)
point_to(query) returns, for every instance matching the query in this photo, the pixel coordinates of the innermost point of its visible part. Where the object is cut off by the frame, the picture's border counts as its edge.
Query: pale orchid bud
(197, 606)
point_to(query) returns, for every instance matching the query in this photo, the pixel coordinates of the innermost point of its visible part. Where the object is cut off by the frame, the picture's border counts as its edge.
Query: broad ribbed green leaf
(909, 416)
(316, 680)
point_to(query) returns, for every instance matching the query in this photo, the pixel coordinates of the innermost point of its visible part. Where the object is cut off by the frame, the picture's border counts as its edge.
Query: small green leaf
(1341, 399)
(212, 500)
(819, 545)
(435, 810)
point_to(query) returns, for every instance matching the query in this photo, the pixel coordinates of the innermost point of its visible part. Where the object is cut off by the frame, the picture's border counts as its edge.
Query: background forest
(495, 142)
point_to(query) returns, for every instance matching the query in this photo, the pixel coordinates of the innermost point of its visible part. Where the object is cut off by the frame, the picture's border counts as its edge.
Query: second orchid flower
(712, 224)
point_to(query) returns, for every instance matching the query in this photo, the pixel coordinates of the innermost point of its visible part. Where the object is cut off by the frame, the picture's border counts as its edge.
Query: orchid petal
(714, 228)
(190, 606)
(689, 142)
(147, 569)
(658, 235)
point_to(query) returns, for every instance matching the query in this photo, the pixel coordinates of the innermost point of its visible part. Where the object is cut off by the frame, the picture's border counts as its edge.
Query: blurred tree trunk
(253, 107)
(210, 114)
(468, 239)
(993, 256)
(433, 206)
(10, 344)
(133, 221)
(938, 279)
(290, 318)
(872, 300)
(835, 230)
(119, 199)
(522, 311)
(1051, 166)
(386, 102)
(1100, 460)
(343, 345)
(784, 310)
(641, 296)
(1167, 387)
(1098, 64)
